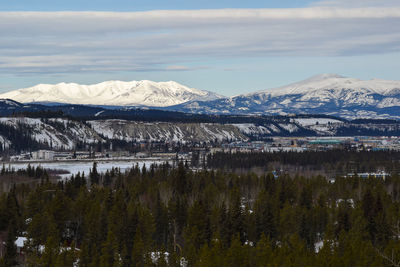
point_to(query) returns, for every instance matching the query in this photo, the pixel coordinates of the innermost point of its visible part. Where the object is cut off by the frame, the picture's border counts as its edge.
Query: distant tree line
(340, 160)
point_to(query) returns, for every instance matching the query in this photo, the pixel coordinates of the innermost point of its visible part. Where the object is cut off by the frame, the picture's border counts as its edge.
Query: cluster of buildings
(50, 155)
(301, 144)
(275, 144)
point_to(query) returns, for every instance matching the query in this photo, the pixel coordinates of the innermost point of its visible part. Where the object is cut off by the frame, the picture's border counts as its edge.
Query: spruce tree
(94, 176)
(10, 256)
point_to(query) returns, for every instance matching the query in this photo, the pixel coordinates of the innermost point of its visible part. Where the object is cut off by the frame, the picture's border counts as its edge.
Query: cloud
(358, 3)
(65, 42)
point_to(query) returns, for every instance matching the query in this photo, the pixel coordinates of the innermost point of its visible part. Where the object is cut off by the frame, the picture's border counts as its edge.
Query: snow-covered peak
(329, 94)
(334, 83)
(324, 76)
(135, 93)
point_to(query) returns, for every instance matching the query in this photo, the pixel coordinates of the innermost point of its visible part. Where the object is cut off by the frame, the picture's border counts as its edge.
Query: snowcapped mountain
(336, 83)
(118, 93)
(329, 94)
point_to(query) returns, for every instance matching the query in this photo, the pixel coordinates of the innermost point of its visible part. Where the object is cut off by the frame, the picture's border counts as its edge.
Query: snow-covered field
(84, 166)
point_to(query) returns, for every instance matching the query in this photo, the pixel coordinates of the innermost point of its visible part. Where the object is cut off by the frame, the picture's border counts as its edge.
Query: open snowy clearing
(84, 166)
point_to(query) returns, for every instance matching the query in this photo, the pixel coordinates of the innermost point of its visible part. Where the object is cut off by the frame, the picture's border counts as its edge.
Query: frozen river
(74, 167)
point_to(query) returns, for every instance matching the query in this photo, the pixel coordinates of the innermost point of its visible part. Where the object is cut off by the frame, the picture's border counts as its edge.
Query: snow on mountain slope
(316, 121)
(252, 129)
(329, 94)
(165, 131)
(4, 142)
(135, 93)
(335, 82)
(333, 88)
(56, 133)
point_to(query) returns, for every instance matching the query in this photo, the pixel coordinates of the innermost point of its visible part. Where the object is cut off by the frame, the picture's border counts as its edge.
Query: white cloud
(358, 3)
(54, 42)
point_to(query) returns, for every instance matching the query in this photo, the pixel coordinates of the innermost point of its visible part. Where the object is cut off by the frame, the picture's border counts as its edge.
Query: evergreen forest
(174, 216)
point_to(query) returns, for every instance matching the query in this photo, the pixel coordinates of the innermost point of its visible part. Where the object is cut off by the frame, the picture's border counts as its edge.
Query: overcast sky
(229, 47)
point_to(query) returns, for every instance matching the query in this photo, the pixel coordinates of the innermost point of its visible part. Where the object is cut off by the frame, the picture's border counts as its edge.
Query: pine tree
(66, 256)
(264, 251)
(94, 176)
(10, 257)
(161, 223)
(236, 214)
(138, 251)
(50, 254)
(109, 252)
(205, 257)
(237, 254)
(180, 180)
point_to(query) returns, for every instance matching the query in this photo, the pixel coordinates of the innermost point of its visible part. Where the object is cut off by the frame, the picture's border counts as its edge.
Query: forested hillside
(171, 216)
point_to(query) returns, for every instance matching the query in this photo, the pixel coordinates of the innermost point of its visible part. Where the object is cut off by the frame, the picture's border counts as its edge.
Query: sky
(229, 47)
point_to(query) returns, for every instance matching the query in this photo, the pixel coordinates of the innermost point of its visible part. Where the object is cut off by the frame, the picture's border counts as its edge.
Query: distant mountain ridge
(118, 93)
(329, 94)
(337, 82)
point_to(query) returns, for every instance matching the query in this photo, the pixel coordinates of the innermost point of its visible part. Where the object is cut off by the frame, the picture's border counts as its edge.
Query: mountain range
(112, 93)
(329, 94)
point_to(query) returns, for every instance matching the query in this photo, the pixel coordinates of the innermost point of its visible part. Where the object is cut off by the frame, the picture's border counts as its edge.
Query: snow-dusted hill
(119, 93)
(55, 133)
(329, 94)
(62, 133)
(166, 131)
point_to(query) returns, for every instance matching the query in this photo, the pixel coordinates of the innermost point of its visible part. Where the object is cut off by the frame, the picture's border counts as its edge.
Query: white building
(43, 155)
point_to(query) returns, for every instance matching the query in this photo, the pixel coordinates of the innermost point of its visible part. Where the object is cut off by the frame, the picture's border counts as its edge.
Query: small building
(43, 155)
(164, 155)
(325, 142)
(142, 155)
(63, 155)
(214, 150)
(20, 244)
(378, 174)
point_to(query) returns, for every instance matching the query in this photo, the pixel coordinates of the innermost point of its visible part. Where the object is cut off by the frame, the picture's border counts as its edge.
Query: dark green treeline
(340, 161)
(210, 218)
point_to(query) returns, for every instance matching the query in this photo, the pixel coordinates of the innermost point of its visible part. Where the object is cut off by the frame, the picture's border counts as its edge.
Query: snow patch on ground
(251, 129)
(164, 131)
(313, 121)
(56, 133)
(290, 127)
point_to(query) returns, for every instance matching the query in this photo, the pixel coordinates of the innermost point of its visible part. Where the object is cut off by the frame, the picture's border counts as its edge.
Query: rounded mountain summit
(116, 93)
